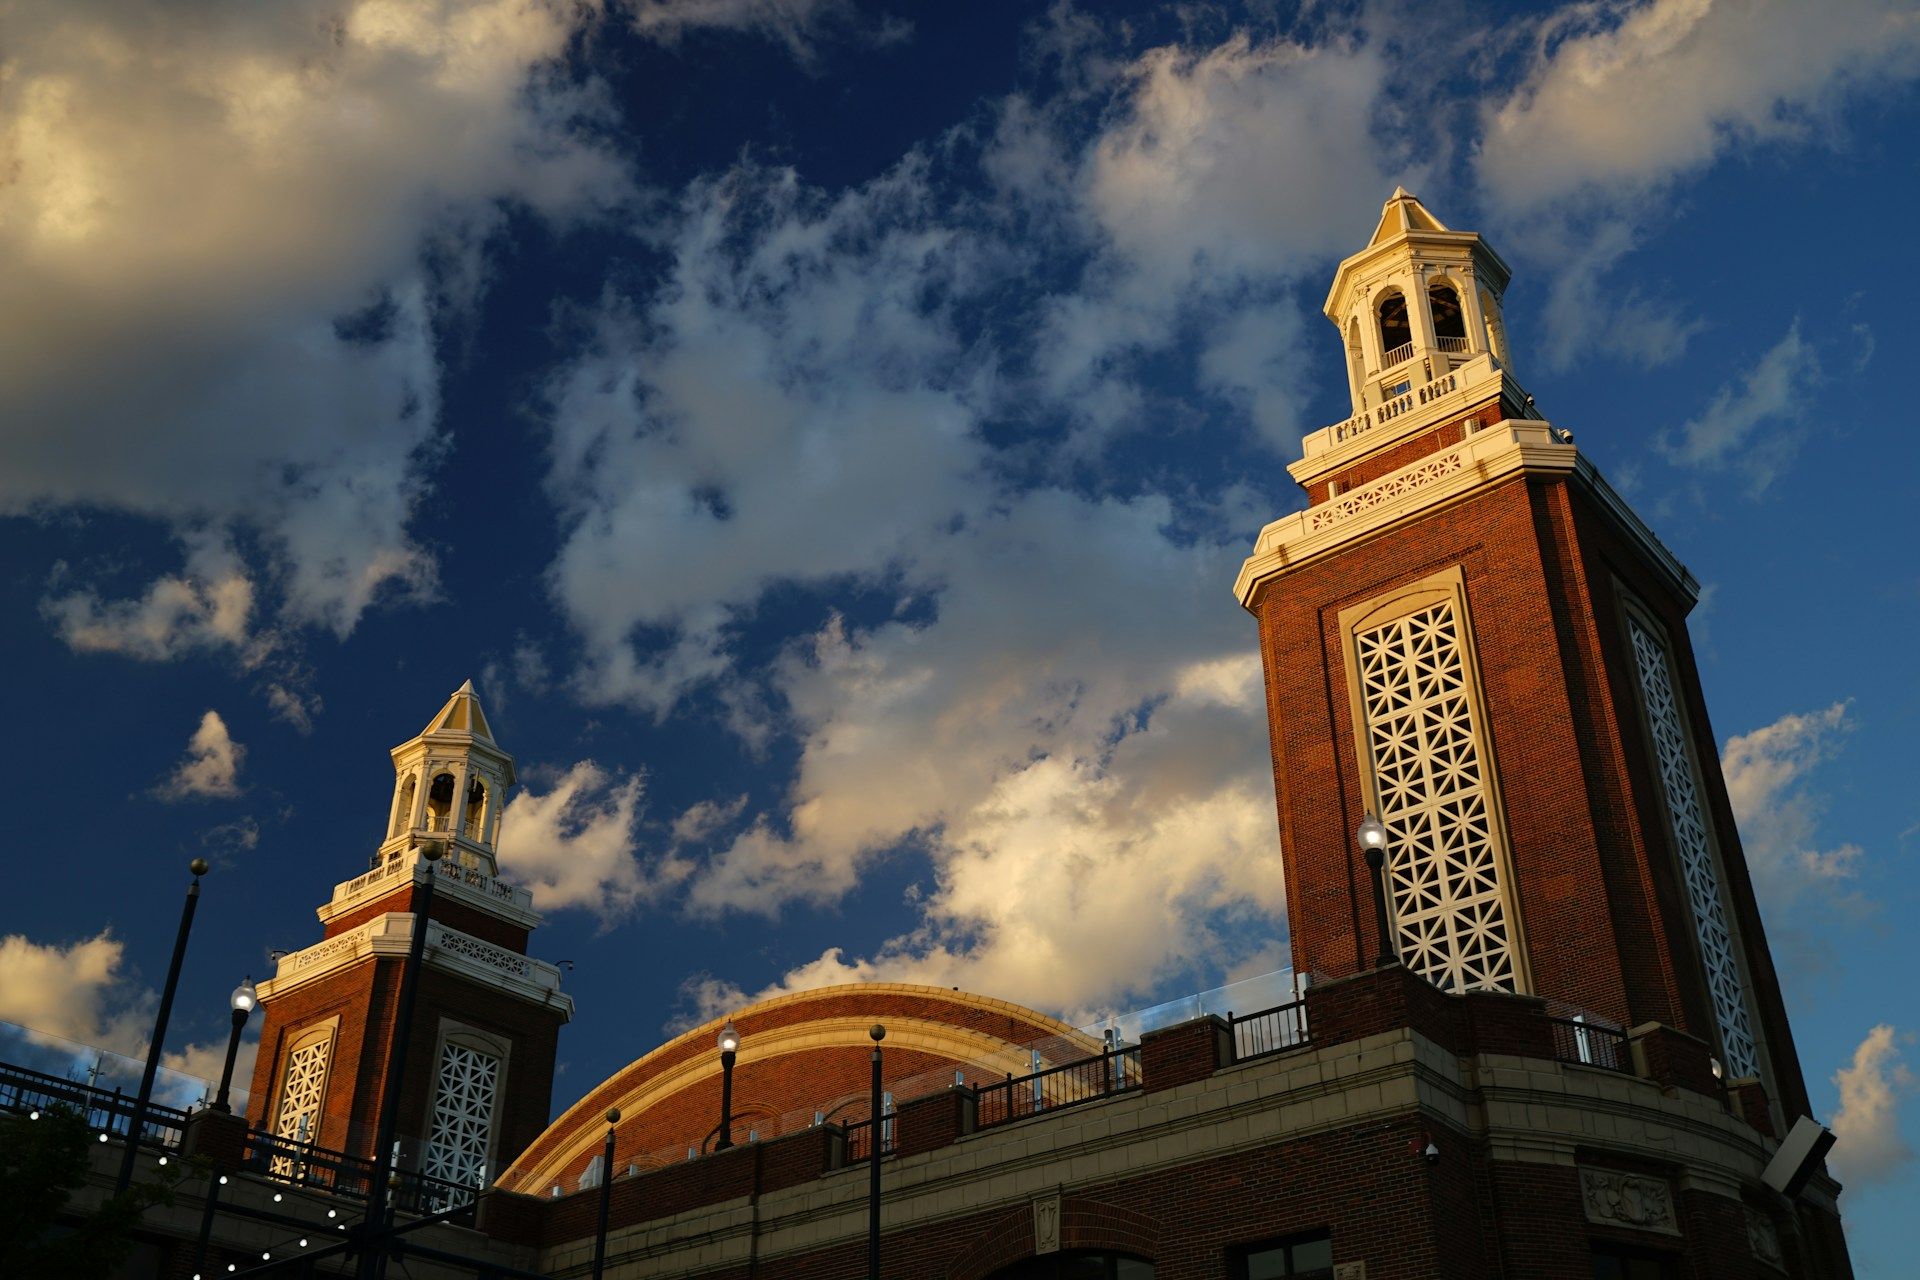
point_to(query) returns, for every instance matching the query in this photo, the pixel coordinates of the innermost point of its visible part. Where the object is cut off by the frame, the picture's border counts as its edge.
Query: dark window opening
(1625, 1262)
(1396, 329)
(1449, 318)
(1309, 1256)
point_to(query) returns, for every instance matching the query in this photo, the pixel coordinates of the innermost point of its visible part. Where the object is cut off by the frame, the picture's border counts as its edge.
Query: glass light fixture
(1372, 833)
(244, 997)
(729, 1039)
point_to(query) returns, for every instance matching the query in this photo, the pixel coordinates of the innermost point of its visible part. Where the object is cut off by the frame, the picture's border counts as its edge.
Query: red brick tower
(478, 1079)
(1470, 634)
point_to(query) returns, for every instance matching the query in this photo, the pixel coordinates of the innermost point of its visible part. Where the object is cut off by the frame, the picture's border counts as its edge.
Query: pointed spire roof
(462, 714)
(1403, 212)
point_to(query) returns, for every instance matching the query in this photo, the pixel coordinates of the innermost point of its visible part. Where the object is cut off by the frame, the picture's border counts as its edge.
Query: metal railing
(25, 1091)
(1066, 1085)
(1272, 1030)
(307, 1165)
(1593, 1044)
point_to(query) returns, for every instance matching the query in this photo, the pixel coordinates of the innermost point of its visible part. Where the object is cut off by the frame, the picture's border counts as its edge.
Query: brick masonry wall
(1604, 915)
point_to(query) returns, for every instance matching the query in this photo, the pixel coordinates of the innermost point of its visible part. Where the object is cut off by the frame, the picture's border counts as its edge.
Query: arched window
(403, 807)
(466, 1093)
(303, 1091)
(440, 802)
(1078, 1264)
(476, 820)
(1449, 317)
(1396, 330)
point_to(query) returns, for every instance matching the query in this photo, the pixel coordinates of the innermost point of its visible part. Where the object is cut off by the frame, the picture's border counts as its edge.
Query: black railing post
(138, 1121)
(373, 1263)
(606, 1198)
(878, 1033)
(214, 1179)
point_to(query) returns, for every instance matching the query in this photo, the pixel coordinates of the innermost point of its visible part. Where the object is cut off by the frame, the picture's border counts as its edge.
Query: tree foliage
(43, 1232)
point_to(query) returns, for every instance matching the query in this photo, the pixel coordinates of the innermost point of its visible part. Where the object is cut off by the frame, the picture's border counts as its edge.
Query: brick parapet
(1673, 1058)
(1750, 1103)
(218, 1136)
(937, 1120)
(1177, 1055)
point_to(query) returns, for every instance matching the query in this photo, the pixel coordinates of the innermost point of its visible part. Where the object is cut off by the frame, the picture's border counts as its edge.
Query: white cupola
(1419, 301)
(451, 781)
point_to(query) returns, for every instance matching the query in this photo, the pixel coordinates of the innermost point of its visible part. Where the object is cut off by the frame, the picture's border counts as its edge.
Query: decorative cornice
(1484, 459)
(448, 950)
(1446, 397)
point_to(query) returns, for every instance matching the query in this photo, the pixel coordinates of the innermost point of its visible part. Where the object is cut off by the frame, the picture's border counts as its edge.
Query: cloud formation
(1767, 773)
(211, 769)
(1753, 429)
(215, 312)
(577, 844)
(1869, 1147)
(1617, 101)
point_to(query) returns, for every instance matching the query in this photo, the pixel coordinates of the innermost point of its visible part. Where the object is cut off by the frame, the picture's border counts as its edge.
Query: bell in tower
(475, 1081)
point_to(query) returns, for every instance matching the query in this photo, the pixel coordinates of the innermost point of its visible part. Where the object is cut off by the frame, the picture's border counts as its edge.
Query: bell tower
(477, 1081)
(1471, 635)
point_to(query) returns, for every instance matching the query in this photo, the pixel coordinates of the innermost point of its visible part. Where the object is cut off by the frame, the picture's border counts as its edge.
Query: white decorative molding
(448, 950)
(1046, 1225)
(1687, 819)
(1452, 393)
(1617, 1199)
(1350, 1270)
(469, 885)
(1486, 458)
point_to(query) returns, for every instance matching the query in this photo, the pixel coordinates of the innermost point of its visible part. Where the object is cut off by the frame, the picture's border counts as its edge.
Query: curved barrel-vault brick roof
(799, 1054)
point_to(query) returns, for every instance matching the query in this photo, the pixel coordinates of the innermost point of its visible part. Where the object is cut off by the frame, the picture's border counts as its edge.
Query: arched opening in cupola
(476, 819)
(1449, 317)
(403, 806)
(1396, 330)
(440, 802)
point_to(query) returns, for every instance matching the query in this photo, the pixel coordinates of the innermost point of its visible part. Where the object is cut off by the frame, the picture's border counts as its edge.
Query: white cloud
(78, 992)
(195, 196)
(211, 769)
(1626, 96)
(1751, 429)
(1618, 101)
(1869, 1146)
(208, 605)
(1767, 773)
(797, 24)
(1224, 170)
(577, 843)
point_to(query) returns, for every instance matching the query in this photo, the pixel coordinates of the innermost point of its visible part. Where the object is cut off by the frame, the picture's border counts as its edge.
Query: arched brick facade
(1085, 1223)
(799, 1054)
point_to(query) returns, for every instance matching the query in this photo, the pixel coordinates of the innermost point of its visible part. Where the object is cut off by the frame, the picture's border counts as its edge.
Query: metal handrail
(1066, 1085)
(24, 1090)
(1592, 1044)
(1275, 1030)
(300, 1163)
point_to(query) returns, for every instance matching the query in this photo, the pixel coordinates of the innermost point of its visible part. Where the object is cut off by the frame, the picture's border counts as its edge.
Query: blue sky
(827, 433)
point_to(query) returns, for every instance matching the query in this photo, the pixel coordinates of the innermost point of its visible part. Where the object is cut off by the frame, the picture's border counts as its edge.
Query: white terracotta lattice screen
(1443, 862)
(463, 1116)
(300, 1095)
(1682, 789)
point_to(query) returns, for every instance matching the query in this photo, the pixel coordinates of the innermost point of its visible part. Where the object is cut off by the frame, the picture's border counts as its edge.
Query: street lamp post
(878, 1033)
(243, 999)
(138, 1122)
(729, 1041)
(373, 1261)
(606, 1197)
(1372, 837)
